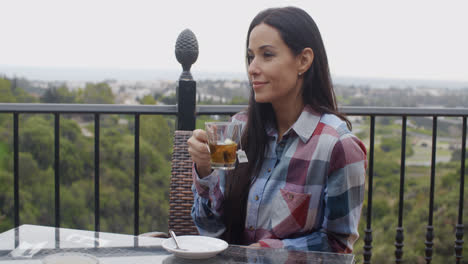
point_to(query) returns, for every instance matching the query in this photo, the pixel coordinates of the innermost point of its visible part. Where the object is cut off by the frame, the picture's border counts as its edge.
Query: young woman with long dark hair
(303, 185)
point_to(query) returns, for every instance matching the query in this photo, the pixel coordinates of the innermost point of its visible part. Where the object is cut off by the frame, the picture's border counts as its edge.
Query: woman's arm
(208, 185)
(207, 207)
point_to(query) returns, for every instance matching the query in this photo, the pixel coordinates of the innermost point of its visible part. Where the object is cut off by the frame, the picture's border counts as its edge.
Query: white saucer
(197, 247)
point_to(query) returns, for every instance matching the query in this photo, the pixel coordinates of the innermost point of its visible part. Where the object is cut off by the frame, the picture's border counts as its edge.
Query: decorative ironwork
(186, 51)
(430, 229)
(459, 243)
(399, 245)
(460, 226)
(97, 227)
(368, 236)
(367, 246)
(136, 222)
(16, 169)
(56, 167)
(399, 231)
(429, 244)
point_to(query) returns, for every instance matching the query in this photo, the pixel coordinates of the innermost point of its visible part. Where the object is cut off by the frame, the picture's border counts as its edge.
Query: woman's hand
(253, 245)
(199, 151)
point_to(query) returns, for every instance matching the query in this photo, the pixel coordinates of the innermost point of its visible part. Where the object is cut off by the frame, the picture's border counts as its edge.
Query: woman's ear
(305, 59)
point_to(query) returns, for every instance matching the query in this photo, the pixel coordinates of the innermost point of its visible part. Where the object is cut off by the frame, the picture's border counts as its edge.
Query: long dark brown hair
(299, 31)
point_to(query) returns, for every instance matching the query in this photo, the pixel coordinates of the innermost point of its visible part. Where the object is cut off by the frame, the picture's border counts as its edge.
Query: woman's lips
(257, 85)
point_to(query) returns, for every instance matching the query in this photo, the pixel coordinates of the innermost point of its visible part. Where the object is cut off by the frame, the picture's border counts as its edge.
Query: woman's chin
(261, 99)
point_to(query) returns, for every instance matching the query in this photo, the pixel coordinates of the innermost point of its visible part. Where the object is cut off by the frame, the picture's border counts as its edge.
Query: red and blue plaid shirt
(308, 195)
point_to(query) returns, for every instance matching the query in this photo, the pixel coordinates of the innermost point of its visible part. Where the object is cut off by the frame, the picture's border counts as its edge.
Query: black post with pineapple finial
(186, 51)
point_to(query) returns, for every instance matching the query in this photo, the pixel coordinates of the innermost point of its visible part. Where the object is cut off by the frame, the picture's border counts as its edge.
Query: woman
(303, 186)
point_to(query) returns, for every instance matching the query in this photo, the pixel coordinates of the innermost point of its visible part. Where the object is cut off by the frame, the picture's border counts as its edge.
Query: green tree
(77, 204)
(156, 131)
(6, 199)
(58, 95)
(393, 144)
(76, 152)
(170, 99)
(6, 95)
(23, 97)
(10, 93)
(36, 137)
(36, 191)
(99, 93)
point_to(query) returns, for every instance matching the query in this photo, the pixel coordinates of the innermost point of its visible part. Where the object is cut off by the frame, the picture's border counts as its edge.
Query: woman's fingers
(200, 135)
(198, 148)
(200, 152)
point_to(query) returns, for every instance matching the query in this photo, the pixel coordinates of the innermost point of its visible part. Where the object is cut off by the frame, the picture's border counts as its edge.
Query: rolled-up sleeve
(207, 209)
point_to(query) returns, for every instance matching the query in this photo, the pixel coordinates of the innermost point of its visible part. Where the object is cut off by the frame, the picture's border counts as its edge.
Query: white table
(31, 243)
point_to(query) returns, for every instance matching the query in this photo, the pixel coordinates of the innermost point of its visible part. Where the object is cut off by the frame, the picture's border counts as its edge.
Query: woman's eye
(268, 54)
(250, 58)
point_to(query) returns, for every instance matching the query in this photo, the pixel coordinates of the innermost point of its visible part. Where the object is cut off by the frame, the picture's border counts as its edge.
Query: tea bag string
(242, 157)
(207, 143)
(240, 141)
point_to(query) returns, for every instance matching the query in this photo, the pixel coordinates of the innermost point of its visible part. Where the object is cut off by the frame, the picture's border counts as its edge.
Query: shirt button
(251, 228)
(269, 170)
(290, 196)
(256, 197)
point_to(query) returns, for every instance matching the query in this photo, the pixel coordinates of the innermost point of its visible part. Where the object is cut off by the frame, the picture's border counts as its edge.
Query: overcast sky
(416, 39)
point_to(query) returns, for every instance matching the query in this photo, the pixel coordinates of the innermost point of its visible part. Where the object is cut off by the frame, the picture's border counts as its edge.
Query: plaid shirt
(308, 195)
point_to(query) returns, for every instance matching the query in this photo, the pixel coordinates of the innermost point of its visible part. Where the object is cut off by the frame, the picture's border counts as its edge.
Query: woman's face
(273, 68)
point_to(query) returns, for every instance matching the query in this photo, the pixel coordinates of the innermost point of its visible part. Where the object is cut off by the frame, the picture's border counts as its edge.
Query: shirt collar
(306, 123)
(304, 126)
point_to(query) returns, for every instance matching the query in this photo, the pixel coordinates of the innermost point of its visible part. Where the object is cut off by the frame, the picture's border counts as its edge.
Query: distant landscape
(100, 74)
(77, 168)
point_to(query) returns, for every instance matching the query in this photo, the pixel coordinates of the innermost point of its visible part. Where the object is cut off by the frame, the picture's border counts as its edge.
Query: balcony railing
(137, 111)
(186, 111)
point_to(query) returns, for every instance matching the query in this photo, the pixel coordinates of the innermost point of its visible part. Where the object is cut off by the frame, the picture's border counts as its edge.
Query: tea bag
(241, 156)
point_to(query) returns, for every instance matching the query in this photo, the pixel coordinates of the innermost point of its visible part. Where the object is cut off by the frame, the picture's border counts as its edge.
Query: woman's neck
(286, 116)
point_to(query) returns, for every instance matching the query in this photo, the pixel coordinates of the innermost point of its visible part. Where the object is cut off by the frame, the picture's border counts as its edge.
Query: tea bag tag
(241, 156)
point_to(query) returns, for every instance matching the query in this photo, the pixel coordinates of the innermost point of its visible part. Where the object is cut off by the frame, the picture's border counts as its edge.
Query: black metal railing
(97, 111)
(136, 111)
(404, 113)
(186, 111)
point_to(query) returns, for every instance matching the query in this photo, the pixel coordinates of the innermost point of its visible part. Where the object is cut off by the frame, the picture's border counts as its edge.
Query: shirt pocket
(289, 214)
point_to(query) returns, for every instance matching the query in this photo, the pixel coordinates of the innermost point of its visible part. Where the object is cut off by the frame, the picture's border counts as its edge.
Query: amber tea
(223, 138)
(223, 155)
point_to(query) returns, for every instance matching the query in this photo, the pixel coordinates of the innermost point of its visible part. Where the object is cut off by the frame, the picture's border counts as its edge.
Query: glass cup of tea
(223, 138)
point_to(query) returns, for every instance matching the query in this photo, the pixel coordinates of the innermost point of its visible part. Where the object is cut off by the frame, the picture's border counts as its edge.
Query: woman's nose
(253, 68)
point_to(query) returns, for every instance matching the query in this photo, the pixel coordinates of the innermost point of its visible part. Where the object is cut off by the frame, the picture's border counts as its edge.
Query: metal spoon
(173, 235)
